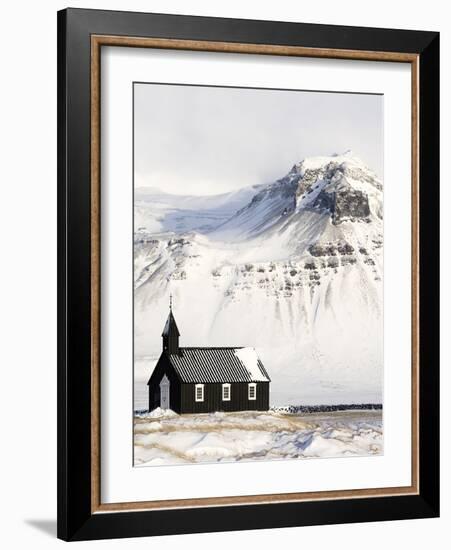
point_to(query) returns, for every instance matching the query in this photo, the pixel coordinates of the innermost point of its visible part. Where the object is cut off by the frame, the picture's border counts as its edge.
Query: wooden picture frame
(81, 35)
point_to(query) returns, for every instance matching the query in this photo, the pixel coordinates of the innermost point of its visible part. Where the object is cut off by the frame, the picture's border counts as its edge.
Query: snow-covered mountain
(292, 268)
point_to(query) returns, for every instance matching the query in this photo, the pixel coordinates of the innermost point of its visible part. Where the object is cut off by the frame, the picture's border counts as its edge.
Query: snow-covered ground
(164, 438)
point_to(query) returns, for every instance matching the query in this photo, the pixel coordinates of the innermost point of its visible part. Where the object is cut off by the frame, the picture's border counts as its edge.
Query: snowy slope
(296, 273)
(156, 211)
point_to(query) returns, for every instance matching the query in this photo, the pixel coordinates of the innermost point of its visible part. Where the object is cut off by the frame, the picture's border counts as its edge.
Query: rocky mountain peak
(340, 184)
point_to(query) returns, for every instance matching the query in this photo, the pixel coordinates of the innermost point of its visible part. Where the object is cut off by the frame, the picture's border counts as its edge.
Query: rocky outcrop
(350, 204)
(341, 248)
(307, 180)
(343, 202)
(331, 188)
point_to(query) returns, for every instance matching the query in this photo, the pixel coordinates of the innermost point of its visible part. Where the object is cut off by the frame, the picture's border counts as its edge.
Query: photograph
(258, 274)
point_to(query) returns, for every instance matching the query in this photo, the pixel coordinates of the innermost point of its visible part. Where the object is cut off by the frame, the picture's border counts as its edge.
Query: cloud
(208, 140)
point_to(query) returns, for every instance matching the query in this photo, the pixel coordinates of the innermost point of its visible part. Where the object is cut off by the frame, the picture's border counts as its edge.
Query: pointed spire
(170, 332)
(170, 327)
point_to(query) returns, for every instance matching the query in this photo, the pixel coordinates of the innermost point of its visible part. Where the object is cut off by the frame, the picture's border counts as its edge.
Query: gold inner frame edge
(97, 41)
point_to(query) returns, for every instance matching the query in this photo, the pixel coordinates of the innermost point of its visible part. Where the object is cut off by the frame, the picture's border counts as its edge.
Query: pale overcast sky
(204, 140)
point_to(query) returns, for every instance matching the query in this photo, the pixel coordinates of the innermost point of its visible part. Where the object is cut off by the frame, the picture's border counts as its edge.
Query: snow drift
(163, 439)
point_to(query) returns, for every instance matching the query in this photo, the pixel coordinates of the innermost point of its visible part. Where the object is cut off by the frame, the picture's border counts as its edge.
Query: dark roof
(170, 328)
(218, 365)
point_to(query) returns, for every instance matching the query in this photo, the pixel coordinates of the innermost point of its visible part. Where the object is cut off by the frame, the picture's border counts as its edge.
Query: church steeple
(171, 333)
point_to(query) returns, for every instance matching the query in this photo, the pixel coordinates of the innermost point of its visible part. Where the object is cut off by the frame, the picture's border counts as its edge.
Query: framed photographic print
(248, 274)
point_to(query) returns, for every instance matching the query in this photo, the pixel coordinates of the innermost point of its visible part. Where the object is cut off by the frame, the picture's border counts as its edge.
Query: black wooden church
(201, 380)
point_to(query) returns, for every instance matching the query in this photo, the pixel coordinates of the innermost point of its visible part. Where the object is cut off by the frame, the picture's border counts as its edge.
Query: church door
(164, 393)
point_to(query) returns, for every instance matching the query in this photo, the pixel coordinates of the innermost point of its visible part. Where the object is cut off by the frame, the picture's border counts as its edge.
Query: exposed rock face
(342, 248)
(350, 204)
(343, 204)
(332, 254)
(334, 193)
(325, 200)
(307, 179)
(331, 187)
